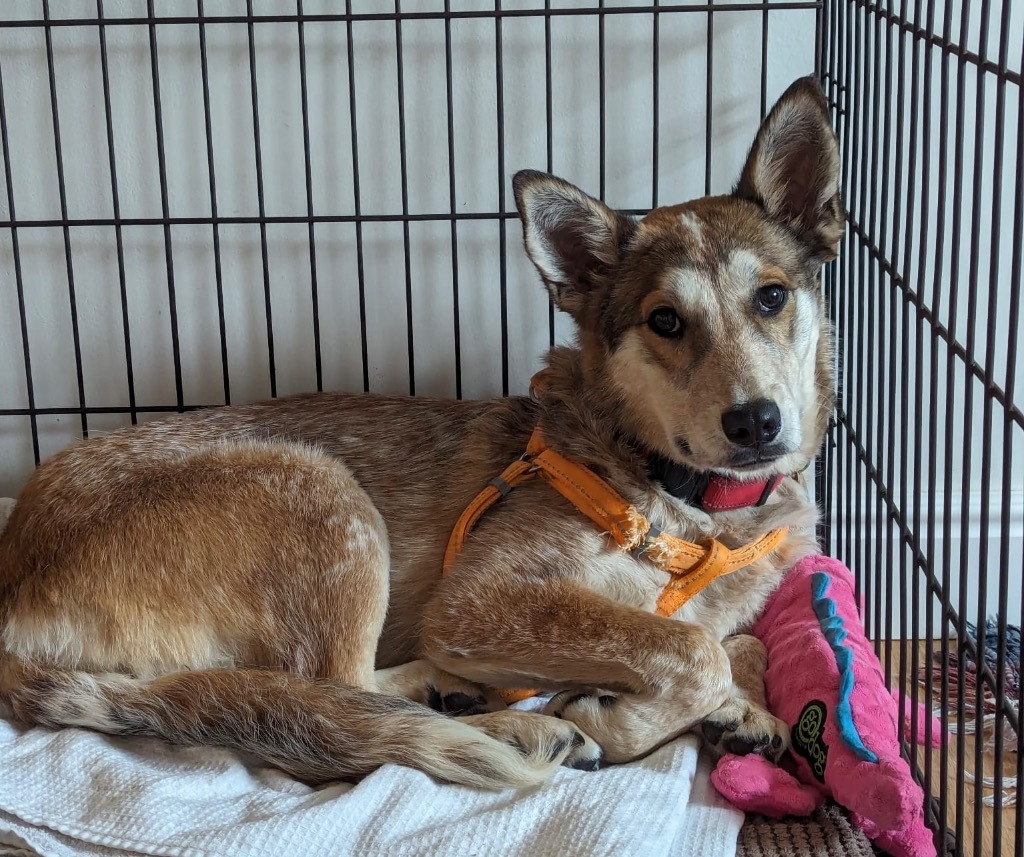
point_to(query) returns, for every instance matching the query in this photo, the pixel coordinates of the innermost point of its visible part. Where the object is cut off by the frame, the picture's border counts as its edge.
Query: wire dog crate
(213, 201)
(924, 475)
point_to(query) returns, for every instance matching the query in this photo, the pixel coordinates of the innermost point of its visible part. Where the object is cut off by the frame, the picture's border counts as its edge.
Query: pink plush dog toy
(825, 682)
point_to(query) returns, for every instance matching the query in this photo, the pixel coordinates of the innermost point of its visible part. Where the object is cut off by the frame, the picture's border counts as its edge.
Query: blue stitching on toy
(834, 631)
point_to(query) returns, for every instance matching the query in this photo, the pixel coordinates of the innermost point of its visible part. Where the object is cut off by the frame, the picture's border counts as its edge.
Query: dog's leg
(483, 708)
(742, 724)
(637, 679)
(236, 600)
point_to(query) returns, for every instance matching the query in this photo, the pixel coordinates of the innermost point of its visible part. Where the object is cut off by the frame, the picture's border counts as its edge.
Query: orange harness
(691, 566)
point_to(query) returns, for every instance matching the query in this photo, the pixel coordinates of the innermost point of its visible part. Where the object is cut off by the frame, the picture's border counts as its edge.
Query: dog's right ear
(792, 170)
(572, 238)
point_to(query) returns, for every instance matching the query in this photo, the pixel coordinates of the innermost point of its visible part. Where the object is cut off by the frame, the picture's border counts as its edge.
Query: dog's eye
(771, 299)
(665, 322)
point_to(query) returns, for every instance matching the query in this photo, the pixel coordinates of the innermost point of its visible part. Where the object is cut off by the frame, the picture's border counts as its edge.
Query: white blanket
(74, 792)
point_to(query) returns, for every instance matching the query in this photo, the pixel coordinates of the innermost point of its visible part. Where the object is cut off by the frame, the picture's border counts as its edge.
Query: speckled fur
(255, 576)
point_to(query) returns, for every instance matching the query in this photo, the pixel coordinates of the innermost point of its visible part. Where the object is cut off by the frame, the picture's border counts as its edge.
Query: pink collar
(723, 493)
(711, 492)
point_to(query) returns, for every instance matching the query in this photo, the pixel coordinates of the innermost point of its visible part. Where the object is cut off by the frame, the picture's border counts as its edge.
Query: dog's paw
(623, 728)
(741, 727)
(586, 753)
(543, 738)
(462, 699)
(424, 683)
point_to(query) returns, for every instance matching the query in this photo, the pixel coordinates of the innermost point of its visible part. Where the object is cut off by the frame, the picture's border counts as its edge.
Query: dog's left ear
(792, 170)
(572, 238)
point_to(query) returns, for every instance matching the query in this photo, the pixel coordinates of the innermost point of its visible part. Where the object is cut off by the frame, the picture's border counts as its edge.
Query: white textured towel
(73, 792)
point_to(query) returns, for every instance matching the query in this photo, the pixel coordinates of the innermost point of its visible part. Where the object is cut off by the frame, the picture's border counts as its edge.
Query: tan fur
(260, 576)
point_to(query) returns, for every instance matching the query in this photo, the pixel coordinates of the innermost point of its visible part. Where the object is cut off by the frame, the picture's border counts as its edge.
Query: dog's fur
(264, 577)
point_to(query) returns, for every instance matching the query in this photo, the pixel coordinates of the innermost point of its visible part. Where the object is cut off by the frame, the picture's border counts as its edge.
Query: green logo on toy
(808, 738)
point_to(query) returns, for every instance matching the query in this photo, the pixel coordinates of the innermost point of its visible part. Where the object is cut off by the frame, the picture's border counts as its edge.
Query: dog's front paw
(616, 722)
(544, 738)
(586, 754)
(741, 727)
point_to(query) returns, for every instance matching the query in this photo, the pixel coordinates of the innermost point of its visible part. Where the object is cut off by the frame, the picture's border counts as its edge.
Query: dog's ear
(792, 170)
(572, 238)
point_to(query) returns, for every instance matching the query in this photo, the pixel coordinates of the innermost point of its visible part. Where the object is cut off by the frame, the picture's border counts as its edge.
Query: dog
(267, 577)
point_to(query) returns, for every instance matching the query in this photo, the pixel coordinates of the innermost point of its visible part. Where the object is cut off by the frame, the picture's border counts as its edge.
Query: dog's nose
(753, 423)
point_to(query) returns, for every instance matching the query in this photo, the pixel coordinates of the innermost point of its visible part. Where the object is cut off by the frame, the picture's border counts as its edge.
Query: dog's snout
(753, 423)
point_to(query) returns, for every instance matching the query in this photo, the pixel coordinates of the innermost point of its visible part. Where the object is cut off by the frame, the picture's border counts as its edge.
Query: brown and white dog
(268, 577)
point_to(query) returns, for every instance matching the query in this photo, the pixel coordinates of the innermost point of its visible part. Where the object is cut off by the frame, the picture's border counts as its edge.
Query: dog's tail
(315, 729)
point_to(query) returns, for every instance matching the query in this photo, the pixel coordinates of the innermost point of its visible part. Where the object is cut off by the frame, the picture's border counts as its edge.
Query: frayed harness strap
(692, 566)
(589, 493)
(688, 579)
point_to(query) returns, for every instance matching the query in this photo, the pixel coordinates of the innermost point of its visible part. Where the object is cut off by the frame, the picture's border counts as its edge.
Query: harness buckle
(528, 458)
(501, 485)
(770, 485)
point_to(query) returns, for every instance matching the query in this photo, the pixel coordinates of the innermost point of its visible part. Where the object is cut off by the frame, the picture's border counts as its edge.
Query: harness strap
(589, 493)
(518, 471)
(692, 567)
(718, 561)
